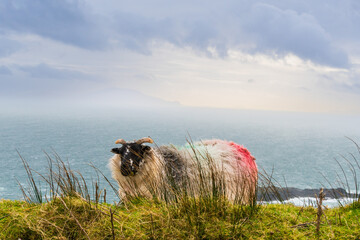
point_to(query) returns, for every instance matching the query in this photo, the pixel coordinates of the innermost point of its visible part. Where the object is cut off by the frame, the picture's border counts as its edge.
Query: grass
(74, 218)
(347, 181)
(69, 211)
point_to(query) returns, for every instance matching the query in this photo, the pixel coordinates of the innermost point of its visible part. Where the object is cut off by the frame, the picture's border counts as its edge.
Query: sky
(282, 55)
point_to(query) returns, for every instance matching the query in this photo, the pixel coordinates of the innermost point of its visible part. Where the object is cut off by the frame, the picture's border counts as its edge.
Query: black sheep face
(132, 156)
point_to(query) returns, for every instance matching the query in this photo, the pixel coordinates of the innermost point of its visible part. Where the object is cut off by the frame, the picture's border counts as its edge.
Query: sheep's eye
(145, 149)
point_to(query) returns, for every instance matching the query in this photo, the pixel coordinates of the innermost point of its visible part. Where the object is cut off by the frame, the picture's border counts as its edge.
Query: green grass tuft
(74, 218)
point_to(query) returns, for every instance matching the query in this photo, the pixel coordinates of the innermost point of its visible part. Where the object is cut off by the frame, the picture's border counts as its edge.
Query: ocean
(301, 150)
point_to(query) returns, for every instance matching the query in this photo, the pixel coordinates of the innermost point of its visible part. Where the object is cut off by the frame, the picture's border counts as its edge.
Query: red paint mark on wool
(245, 155)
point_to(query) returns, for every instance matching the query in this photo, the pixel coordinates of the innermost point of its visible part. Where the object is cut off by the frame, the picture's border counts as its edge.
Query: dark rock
(275, 193)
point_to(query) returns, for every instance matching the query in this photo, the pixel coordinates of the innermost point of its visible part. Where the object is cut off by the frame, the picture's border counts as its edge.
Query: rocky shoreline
(271, 194)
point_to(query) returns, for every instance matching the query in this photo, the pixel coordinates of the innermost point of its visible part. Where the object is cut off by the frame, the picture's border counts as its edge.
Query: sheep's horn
(120, 141)
(144, 140)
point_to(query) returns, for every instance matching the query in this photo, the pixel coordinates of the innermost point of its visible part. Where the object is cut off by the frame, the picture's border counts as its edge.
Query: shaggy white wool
(239, 178)
(201, 161)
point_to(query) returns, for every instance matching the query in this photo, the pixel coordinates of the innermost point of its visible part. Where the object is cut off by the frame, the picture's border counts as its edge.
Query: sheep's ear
(146, 148)
(115, 150)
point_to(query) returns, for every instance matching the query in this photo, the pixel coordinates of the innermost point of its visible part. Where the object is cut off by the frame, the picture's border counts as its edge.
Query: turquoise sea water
(298, 147)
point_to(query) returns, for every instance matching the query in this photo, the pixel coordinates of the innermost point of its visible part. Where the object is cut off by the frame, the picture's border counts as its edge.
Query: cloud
(5, 70)
(339, 18)
(274, 29)
(59, 20)
(44, 71)
(8, 46)
(348, 81)
(277, 28)
(286, 31)
(42, 80)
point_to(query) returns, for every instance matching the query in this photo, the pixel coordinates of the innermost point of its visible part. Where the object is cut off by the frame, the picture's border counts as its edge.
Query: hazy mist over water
(297, 146)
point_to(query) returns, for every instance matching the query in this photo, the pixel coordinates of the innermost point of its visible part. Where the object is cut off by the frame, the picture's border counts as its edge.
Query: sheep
(142, 170)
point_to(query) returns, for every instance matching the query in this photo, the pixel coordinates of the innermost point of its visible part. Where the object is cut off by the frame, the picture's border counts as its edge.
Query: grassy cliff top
(76, 218)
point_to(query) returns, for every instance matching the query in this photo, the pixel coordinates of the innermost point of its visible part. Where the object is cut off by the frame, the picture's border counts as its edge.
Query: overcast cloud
(7, 46)
(64, 21)
(5, 70)
(59, 45)
(44, 71)
(270, 28)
